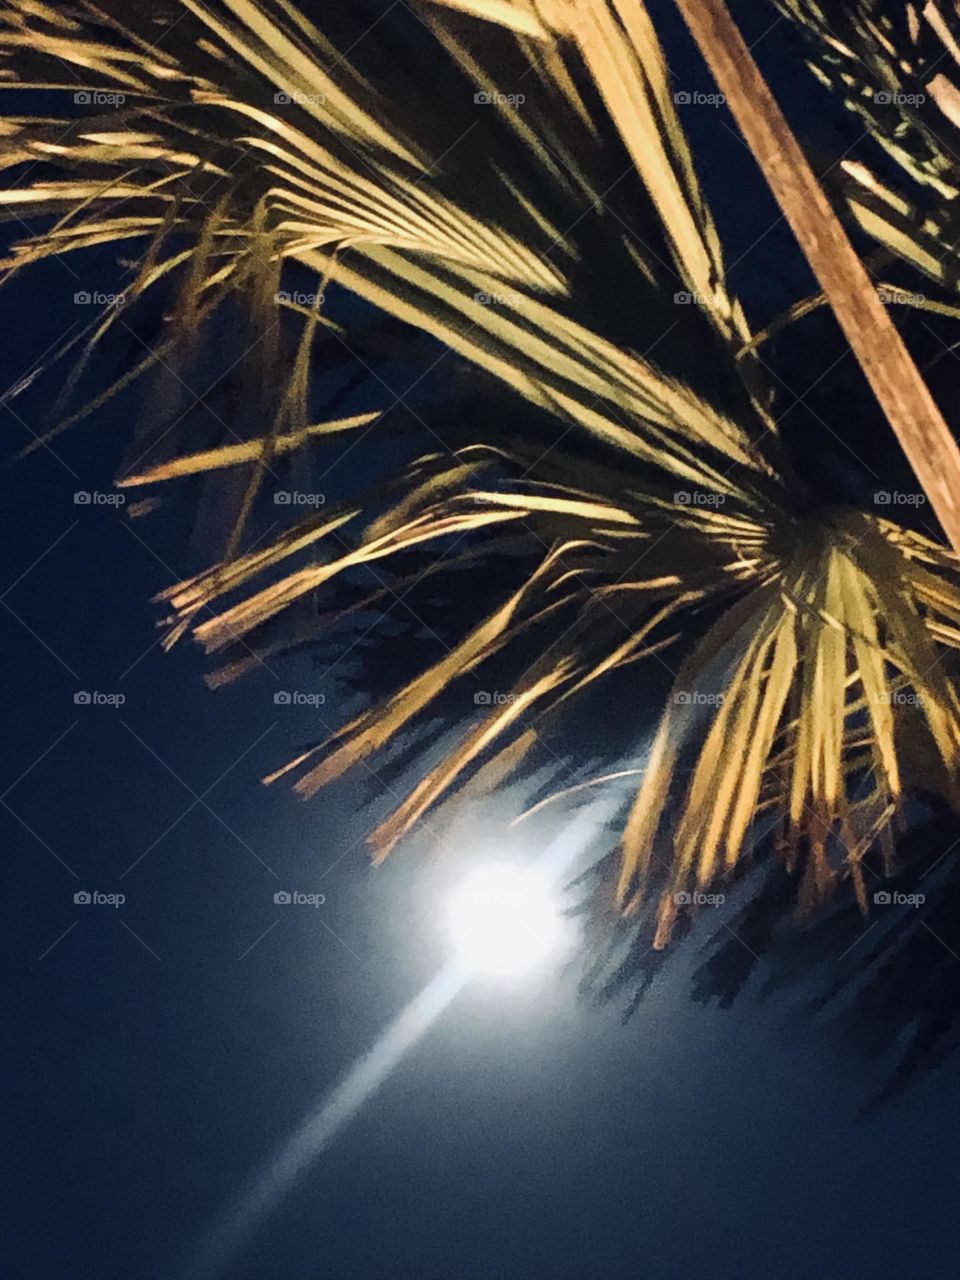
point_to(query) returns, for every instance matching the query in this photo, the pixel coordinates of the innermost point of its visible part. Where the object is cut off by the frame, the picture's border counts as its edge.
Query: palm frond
(892, 66)
(659, 515)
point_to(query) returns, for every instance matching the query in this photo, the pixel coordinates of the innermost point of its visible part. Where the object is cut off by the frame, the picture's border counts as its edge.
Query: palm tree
(513, 178)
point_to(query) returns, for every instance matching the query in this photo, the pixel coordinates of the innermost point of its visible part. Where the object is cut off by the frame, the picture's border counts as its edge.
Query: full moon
(504, 919)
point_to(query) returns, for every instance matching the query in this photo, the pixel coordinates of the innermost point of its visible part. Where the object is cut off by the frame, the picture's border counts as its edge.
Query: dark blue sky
(158, 1050)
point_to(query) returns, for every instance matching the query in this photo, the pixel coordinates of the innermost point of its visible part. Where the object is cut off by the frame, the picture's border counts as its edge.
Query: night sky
(158, 1050)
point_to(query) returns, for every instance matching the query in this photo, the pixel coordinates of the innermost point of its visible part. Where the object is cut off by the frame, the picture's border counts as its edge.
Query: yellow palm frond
(659, 505)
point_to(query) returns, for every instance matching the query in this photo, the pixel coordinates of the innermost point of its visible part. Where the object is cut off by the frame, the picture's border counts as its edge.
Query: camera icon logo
(882, 498)
(682, 698)
(882, 97)
(282, 898)
(82, 298)
(282, 698)
(882, 898)
(82, 699)
(483, 99)
(482, 699)
(82, 898)
(682, 899)
(82, 98)
(682, 98)
(282, 99)
(282, 498)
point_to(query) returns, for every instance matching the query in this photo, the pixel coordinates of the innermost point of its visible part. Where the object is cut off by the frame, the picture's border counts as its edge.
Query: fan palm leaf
(252, 142)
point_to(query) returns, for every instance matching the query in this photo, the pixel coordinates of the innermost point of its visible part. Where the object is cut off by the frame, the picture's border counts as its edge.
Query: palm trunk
(897, 383)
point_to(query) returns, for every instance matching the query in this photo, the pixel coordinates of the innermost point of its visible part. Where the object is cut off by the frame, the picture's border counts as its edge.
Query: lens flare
(504, 919)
